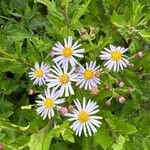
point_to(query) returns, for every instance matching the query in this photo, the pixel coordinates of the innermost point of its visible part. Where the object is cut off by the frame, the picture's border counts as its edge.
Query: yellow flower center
(83, 117)
(67, 52)
(64, 79)
(116, 55)
(39, 73)
(88, 74)
(48, 103)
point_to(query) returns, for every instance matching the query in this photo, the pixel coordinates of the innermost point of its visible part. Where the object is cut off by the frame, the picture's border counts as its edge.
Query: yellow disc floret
(64, 79)
(67, 52)
(39, 73)
(48, 103)
(116, 55)
(83, 117)
(88, 74)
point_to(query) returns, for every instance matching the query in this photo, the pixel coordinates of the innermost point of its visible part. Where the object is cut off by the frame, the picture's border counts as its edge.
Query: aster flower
(84, 118)
(65, 54)
(61, 79)
(48, 102)
(39, 73)
(115, 58)
(87, 76)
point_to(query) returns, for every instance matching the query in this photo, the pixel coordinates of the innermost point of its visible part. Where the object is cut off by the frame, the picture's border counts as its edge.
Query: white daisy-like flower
(84, 117)
(65, 54)
(48, 102)
(62, 80)
(115, 58)
(88, 76)
(39, 73)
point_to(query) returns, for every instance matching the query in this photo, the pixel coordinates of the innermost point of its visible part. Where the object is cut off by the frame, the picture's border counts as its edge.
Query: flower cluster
(67, 73)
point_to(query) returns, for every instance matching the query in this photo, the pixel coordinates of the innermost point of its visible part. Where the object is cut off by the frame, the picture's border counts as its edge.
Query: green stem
(48, 55)
(122, 90)
(23, 61)
(114, 94)
(6, 54)
(58, 114)
(69, 100)
(111, 98)
(66, 16)
(22, 147)
(131, 57)
(46, 127)
(90, 41)
(7, 18)
(111, 77)
(7, 59)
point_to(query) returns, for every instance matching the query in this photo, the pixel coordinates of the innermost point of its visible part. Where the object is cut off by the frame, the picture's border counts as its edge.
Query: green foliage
(28, 31)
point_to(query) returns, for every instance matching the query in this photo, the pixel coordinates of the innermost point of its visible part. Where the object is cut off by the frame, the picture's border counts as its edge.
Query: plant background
(29, 29)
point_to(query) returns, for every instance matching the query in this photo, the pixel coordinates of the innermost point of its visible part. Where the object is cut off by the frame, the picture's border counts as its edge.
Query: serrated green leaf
(16, 33)
(36, 141)
(121, 126)
(5, 115)
(103, 138)
(117, 20)
(68, 135)
(81, 10)
(119, 143)
(118, 124)
(86, 143)
(47, 141)
(41, 140)
(51, 5)
(59, 146)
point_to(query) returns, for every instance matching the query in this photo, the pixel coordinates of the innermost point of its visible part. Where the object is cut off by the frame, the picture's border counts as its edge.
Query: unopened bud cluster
(63, 110)
(95, 90)
(52, 53)
(121, 99)
(139, 54)
(120, 83)
(107, 87)
(108, 102)
(130, 90)
(84, 34)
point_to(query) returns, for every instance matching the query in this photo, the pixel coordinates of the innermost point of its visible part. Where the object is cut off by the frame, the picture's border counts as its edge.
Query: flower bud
(52, 53)
(120, 83)
(82, 31)
(93, 29)
(1, 147)
(130, 65)
(107, 87)
(139, 54)
(95, 90)
(84, 37)
(145, 23)
(71, 108)
(30, 92)
(63, 110)
(134, 30)
(97, 73)
(92, 36)
(77, 69)
(141, 69)
(108, 102)
(130, 90)
(129, 33)
(121, 99)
